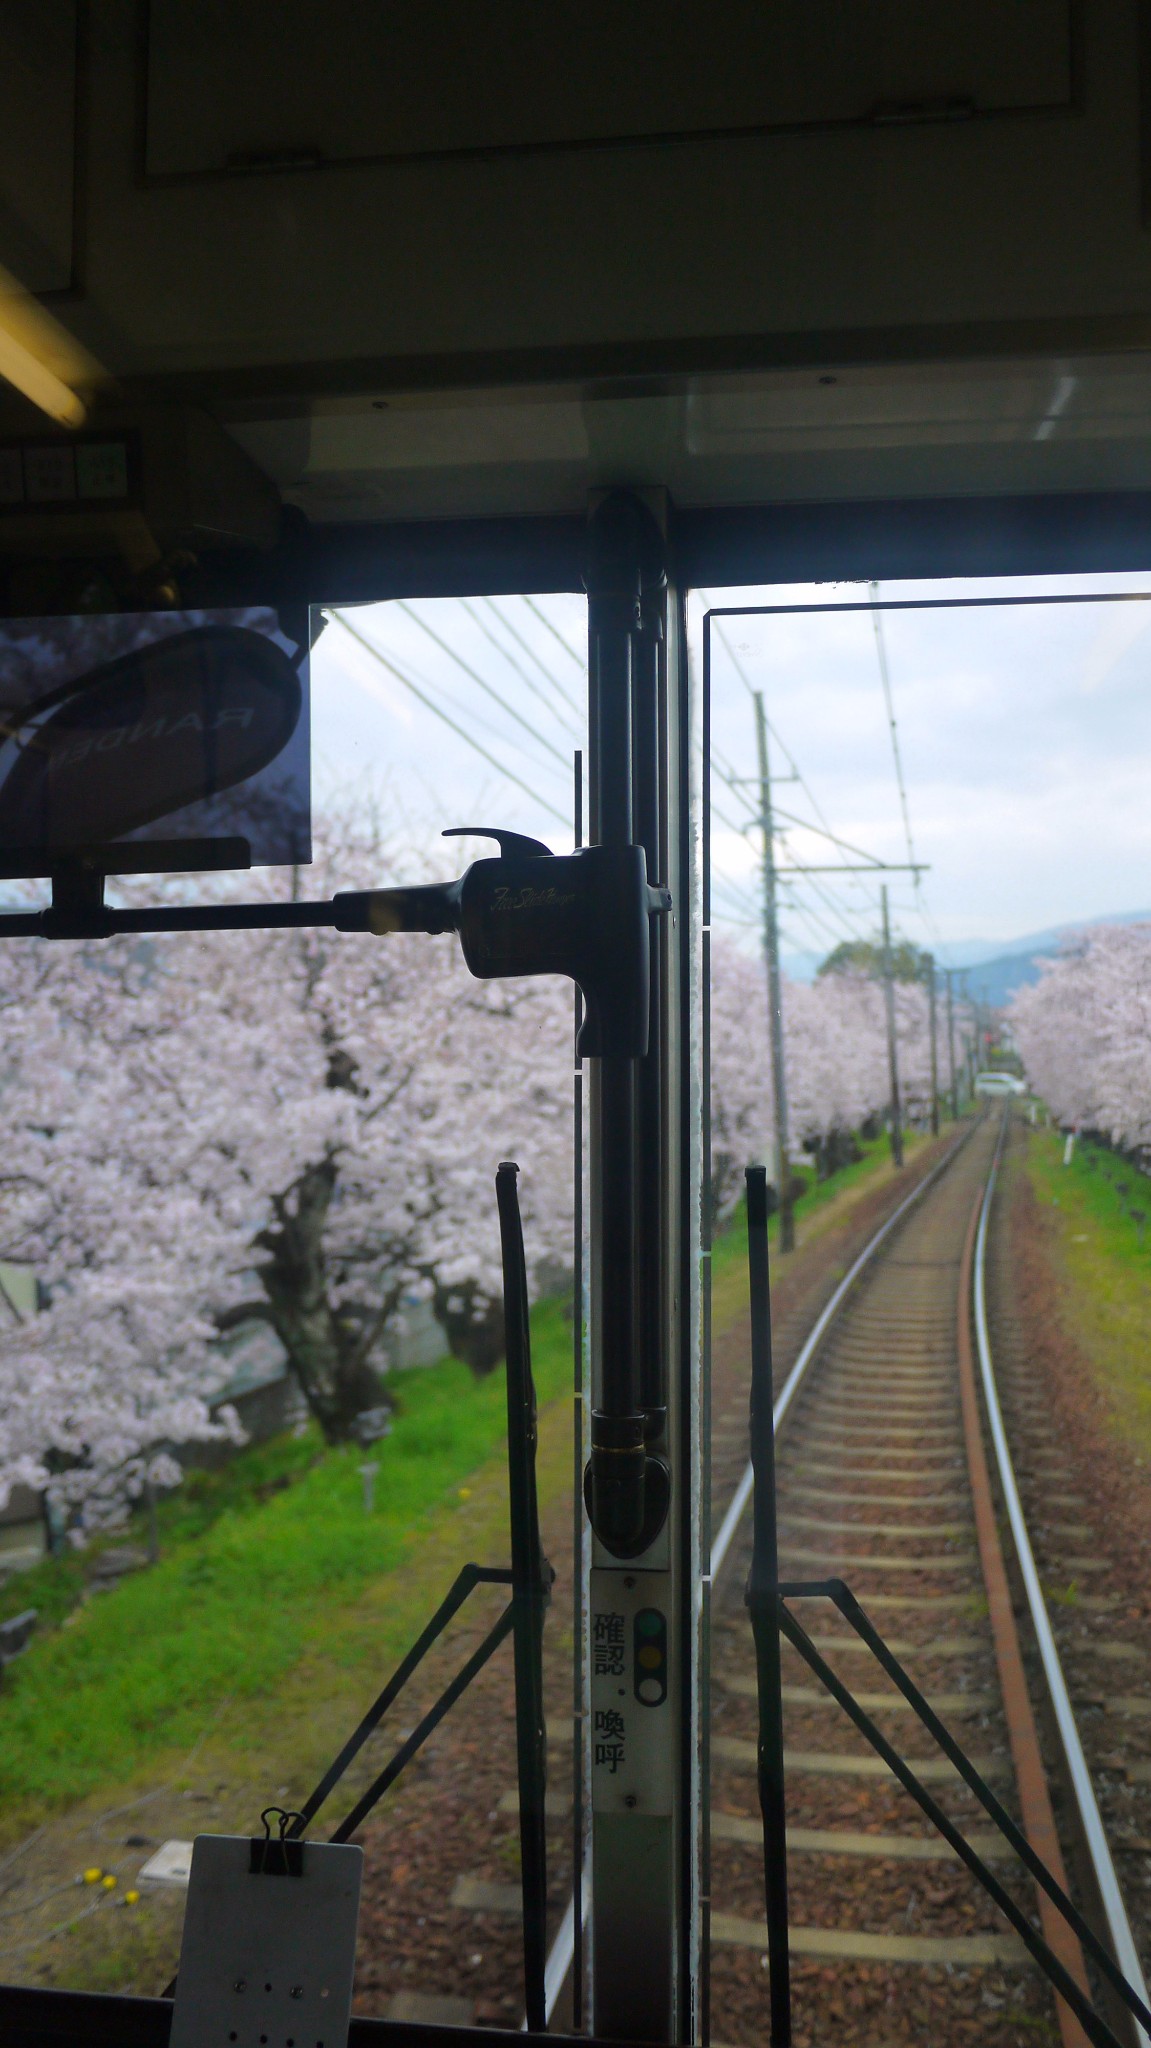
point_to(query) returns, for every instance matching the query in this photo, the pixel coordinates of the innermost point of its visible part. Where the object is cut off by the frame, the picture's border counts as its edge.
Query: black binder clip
(274, 1855)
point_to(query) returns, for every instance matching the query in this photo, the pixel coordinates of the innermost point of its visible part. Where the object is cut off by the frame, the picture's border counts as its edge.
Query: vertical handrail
(531, 1584)
(579, 1451)
(764, 1607)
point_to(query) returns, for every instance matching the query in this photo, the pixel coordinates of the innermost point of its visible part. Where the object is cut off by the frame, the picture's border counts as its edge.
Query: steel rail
(812, 1342)
(560, 1957)
(1115, 1912)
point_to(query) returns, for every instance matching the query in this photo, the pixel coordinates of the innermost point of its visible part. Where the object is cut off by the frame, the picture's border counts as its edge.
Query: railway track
(891, 1937)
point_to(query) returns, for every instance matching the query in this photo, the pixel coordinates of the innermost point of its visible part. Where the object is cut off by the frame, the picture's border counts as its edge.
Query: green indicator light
(649, 1623)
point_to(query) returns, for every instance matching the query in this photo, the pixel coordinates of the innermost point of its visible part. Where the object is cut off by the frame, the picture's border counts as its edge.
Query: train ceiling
(421, 263)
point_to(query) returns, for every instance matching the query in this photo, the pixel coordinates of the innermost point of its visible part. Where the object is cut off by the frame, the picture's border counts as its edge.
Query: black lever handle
(512, 845)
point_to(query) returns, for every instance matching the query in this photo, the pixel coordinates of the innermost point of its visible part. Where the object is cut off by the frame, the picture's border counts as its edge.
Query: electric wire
(571, 702)
(923, 906)
(735, 784)
(850, 922)
(556, 634)
(788, 756)
(815, 923)
(479, 721)
(733, 894)
(885, 678)
(476, 677)
(429, 704)
(850, 916)
(753, 822)
(521, 672)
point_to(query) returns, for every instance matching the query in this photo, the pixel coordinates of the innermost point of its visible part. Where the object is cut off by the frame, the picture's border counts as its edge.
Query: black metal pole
(578, 1453)
(618, 1445)
(531, 1583)
(764, 1606)
(650, 1191)
(471, 1576)
(953, 1086)
(933, 1022)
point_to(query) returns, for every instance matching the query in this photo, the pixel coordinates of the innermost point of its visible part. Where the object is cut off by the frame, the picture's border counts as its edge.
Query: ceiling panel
(348, 82)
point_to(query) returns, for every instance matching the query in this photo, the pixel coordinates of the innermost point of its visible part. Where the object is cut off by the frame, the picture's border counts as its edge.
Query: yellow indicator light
(19, 367)
(41, 359)
(650, 1657)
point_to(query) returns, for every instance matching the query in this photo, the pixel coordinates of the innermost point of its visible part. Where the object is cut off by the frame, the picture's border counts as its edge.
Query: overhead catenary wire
(447, 648)
(553, 629)
(509, 627)
(922, 904)
(889, 704)
(788, 756)
(790, 818)
(849, 916)
(885, 679)
(808, 791)
(506, 655)
(430, 704)
(476, 721)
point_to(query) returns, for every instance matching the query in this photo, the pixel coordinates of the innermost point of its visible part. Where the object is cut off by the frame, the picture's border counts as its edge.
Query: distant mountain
(994, 968)
(995, 979)
(981, 952)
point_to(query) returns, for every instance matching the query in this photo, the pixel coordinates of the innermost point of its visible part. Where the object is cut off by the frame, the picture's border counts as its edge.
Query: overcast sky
(1025, 735)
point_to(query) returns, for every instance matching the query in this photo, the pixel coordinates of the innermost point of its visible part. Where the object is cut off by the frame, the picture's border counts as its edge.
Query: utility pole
(934, 1046)
(949, 971)
(972, 1034)
(892, 1055)
(774, 993)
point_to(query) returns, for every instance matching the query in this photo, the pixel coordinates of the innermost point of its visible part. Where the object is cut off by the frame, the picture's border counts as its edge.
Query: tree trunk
(473, 1324)
(326, 1350)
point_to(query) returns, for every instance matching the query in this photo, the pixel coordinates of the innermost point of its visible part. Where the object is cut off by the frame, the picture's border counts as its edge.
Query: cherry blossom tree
(835, 1060)
(294, 1125)
(1084, 1034)
(303, 1126)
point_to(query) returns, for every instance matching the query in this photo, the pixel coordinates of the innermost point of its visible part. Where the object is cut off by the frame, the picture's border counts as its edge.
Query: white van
(999, 1084)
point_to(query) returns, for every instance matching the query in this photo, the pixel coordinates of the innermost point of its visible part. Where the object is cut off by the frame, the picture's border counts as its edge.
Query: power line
(921, 896)
(475, 719)
(788, 756)
(881, 650)
(848, 919)
(737, 894)
(795, 908)
(530, 650)
(847, 915)
(430, 704)
(468, 670)
(735, 784)
(733, 825)
(504, 655)
(556, 635)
